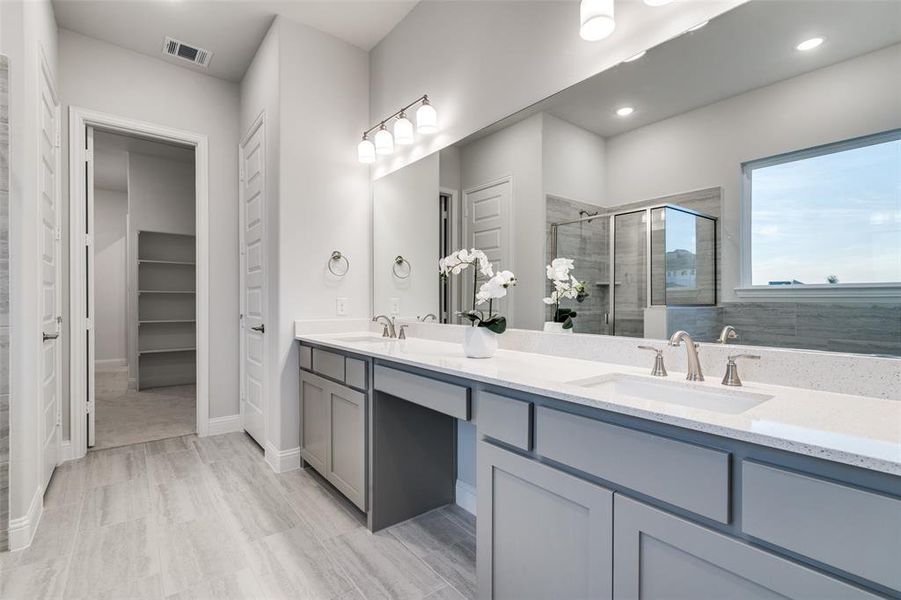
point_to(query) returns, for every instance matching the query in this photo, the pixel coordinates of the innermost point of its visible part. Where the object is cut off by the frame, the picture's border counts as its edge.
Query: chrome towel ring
(398, 268)
(336, 259)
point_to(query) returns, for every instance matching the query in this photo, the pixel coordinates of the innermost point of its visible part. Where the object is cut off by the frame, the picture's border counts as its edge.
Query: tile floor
(193, 517)
(129, 417)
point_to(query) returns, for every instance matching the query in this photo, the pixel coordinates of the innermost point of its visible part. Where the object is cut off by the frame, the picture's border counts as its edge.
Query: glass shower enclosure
(661, 255)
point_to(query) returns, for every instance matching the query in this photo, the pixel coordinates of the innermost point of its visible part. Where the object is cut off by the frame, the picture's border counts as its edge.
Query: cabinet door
(314, 421)
(658, 555)
(542, 533)
(347, 447)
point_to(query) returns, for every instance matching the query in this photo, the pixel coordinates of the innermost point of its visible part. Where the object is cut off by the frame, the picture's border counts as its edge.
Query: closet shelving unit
(166, 288)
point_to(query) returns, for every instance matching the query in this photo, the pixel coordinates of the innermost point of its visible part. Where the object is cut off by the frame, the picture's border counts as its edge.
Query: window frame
(847, 291)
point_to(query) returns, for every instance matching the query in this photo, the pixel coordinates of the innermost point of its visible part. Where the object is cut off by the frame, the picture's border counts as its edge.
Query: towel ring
(399, 261)
(337, 257)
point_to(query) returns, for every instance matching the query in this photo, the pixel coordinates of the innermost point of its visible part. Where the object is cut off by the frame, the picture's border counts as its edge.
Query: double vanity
(597, 480)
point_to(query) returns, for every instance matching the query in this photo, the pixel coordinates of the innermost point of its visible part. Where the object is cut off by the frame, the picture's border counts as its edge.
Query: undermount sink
(359, 339)
(691, 395)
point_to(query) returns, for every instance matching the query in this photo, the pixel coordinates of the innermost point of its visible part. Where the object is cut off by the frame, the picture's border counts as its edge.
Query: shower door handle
(50, 336)
(261, 328)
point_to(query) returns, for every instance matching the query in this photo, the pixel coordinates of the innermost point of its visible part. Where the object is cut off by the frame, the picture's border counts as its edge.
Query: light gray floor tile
(115, 503)
(428, 533)
(446, 593)
(382, 567)
(167, 445)
(105, 467)
(34, 581)
(53, 542)
(327, 514)
(173, 466)
(237, 585)
(67, 486)
(112, 556)
(464, 519)
(197, 550)
(184, 500)
(145, 588)
(293, 564)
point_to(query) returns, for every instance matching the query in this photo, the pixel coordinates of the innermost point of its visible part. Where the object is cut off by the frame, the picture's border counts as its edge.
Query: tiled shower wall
(4, 303)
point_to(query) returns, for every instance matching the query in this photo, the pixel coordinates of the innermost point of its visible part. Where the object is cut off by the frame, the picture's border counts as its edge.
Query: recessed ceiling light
(809, 44)
(637, 56)
(625, 111)
(696, 27)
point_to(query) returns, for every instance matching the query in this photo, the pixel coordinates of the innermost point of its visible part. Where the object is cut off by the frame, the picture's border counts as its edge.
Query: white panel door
(488, 229)
(49, 240)
(253, 282)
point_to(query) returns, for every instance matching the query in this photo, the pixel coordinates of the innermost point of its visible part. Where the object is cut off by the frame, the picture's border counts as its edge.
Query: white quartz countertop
(855, 430)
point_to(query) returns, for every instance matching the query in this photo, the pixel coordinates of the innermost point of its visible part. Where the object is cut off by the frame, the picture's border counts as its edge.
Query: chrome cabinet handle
(261, 328)
(50, 336)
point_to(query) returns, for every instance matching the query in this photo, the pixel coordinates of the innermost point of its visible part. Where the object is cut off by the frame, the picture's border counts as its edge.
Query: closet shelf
(165, 321)
(181, 263)
(165, 350)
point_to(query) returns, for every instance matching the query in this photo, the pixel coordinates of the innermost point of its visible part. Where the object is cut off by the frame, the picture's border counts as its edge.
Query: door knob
(261, 328)
(50, 336)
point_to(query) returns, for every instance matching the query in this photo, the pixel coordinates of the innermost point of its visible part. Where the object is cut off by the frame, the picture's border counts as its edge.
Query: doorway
(139, 352)
(144, 240)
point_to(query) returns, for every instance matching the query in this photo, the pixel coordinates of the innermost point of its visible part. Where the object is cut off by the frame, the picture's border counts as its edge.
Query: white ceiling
(111, 152)
(746, 48)
(231, 29)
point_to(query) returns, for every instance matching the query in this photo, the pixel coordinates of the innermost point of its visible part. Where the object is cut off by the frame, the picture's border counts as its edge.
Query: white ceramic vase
(552, 327)
(479, 342)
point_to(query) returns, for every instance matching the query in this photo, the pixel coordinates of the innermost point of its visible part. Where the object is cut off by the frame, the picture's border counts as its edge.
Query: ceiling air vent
(197, 56)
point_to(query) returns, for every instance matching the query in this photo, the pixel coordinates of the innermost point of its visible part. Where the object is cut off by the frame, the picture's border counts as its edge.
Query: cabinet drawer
(306, 357)
(355, 373)
(506, 420)
(851, 529)
(328, 364)
(692, 477)
(443, 397)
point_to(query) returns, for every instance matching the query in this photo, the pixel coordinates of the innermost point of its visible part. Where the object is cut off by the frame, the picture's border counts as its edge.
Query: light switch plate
(341, 306)
(395, 306)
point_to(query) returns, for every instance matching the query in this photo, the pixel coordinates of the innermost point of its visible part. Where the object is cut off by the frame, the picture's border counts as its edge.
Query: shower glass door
(630, 283)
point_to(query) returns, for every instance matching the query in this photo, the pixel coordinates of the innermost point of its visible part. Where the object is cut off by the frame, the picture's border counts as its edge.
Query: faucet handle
(385, 332)
(731, 377)
(659, 369)
(401, 335)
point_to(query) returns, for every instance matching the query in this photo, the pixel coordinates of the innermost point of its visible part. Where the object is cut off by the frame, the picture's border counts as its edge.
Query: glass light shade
(403, 131)
(596, 19)
(366, 152)
(426, 119)
(384, 143)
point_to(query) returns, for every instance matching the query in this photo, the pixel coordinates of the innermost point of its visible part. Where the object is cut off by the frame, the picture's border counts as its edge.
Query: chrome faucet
(728, 333)
(428, 317)
(694, 365)
(388, 331)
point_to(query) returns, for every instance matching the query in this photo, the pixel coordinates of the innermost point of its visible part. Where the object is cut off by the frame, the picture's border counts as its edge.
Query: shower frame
(611, 311)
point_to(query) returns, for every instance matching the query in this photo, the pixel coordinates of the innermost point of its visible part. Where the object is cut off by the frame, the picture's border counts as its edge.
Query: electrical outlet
(341, 306)
(395, 306)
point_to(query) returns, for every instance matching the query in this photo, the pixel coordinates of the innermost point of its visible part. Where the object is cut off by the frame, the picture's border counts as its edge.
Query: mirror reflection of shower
(636, 262)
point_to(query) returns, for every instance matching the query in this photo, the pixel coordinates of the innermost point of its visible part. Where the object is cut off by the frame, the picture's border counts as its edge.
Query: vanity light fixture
(596, 19)
(809, 44)
(384, 142)
(696, 27)
(365, 151)
(635, 57)
(403, 130)
(625, 111)
(426, 122)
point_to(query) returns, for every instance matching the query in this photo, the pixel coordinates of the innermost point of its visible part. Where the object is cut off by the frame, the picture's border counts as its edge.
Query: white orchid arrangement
(566, 287)
(493, 289)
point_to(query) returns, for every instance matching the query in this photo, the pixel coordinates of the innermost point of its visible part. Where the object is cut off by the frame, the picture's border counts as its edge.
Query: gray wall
(4, 304)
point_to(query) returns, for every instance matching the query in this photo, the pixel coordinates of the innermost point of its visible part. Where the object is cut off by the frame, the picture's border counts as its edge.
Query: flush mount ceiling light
(636, 56)
(596, 19)
(809, 44)
(657, 2)
(426, 122)
(696, 27)
(625, 111)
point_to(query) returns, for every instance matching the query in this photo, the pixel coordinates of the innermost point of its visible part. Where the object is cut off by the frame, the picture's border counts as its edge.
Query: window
(828, 216)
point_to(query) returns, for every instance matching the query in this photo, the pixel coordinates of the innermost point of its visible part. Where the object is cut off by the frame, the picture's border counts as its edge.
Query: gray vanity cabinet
(659, 555)
(544, 533)
(332, 434)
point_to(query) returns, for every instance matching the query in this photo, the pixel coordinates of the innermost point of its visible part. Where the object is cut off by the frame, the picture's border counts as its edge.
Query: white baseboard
(282, 461)
(220, 425)
(108, 363)
(466, 497)
(22, 529)
(67, 452)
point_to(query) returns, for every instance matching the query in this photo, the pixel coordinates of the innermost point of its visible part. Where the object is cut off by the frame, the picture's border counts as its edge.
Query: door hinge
(88, 155)
(88, 240)
(59, 234)
(89, 407)
(89, 324)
